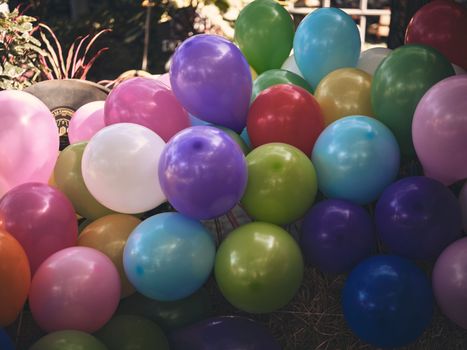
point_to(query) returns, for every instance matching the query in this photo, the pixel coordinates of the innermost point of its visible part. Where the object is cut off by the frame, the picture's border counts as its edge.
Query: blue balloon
(355, 159)
(197, 122)
(5, 341)
(244, 135)
(327, 39)
(387, 301)
(169, 256)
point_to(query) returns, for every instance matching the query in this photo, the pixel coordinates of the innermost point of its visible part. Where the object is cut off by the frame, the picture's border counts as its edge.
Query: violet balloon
(86, 121)
(212, 80)
(41, 218)
(203, 172)
(147, 102)
(337, 235)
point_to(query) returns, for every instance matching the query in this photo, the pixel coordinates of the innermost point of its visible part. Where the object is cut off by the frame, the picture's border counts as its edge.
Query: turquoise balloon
(355, 159)
(244, 135)
(327, 39)
(169, 256)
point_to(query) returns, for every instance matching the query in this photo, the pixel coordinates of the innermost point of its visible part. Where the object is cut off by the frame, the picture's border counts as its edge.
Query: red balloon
(441, 24)
(285, 113)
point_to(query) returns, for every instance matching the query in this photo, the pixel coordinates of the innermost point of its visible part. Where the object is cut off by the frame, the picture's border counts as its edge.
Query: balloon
(281, 184)
(69, 180)
(387, 301)
(450, 282)
(5, 341)
(86, 121)
(439, 130)
(226, 333)
(344, 92)
(370, 59)
(203, 172)
(442, 25)
(288, 114)
(109, 235)
(119, 168)
(246, 138)
(212, 80)
(129, 332)
(68, 340)
(418, 217)
(165, 79)
(15, 279)
(41, 218)
(264, 32)
(169, 256)
(146, 102)
(463, 203)
(458, 70)
(254, 75)
(336, 235)
(259, 267)
(168, 314)
(28, 140)
(76, 288)
(355, 158)
(237, 138)
(400, 82)
(291, 66)
(326, 39)
(197, 122)
(275, 77)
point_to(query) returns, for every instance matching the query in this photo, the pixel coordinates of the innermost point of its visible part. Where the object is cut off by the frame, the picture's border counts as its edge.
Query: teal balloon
(327, 39)
(244, 135)
(276, 77)
(355, 159)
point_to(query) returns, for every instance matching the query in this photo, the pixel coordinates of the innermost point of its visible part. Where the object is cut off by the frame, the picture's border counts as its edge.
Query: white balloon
(291, 65)
(120, 168)
(370, 59)
(458, 69)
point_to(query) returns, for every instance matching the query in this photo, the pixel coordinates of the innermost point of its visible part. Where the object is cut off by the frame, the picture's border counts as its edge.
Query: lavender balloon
(212, 80)
(203, 172)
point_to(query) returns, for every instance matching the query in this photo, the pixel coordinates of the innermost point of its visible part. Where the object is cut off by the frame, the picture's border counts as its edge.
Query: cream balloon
(120, 165)
(290, 65)
(370, 59)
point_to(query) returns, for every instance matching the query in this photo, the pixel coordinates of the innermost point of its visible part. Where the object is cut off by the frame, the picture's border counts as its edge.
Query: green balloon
(264, 32)
(276, 77)
(236, 137)
(259, 267)
(68, 340)
(400, 82)
(281, 185)
(129, 332)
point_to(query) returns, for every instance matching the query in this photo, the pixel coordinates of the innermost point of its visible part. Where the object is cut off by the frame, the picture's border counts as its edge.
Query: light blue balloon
(327, 39)
(244, 135)
(355, 159)
(197, 122)
(169, 256)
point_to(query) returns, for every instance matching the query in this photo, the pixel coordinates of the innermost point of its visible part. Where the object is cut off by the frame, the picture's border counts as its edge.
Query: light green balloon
(68, 340)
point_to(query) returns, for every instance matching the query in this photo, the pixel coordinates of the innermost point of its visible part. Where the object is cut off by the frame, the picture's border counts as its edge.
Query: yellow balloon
(254, 75)
(344, 92)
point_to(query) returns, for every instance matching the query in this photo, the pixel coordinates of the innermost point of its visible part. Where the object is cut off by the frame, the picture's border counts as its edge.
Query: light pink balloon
(149, 103)
(29, 140)
(165, 79)
(463, 202)
(439, 130)
(77, 288)
(86, 121)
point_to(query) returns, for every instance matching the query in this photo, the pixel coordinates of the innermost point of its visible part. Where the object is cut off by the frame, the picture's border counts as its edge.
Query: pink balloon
(86, 121)
(77, 288)
(165, 79)
(41, 218)
(463, 202)
(29, 140)
(439, 130)
(149, 103)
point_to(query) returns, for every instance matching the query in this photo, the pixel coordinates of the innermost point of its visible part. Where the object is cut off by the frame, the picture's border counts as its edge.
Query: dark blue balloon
(387, 301)
(5, 341)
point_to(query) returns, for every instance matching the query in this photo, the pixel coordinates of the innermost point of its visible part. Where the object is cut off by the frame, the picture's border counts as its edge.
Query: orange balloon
(109, 234)
(15, 278)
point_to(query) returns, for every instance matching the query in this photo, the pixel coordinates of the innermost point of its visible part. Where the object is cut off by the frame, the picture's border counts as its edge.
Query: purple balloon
(337, 235)
(226, 333)
(417, 217)
(212, 80)
(203, 172)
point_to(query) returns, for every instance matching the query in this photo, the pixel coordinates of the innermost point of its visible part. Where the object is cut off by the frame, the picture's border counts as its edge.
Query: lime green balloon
(129, 332)
(264, 32)
(236, 137)
(281, 185)
(259, 267)
(68, 340)
(400, 82)
(276, 77)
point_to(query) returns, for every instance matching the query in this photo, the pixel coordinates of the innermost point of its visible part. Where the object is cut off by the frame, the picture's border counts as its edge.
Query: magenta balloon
(147, 102)
(165, 79)
(86, 121)
(439, 130)
(77, 288)
(28, 140)
(41, 218)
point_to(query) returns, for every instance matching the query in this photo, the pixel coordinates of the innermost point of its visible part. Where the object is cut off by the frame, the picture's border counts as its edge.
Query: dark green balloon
(276, 77)
(264, 32)
(236, 137)
(68, 340)
(400, 82)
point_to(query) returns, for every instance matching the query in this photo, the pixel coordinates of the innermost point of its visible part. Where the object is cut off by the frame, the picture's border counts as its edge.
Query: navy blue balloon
(5, 341)
(387, 301)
